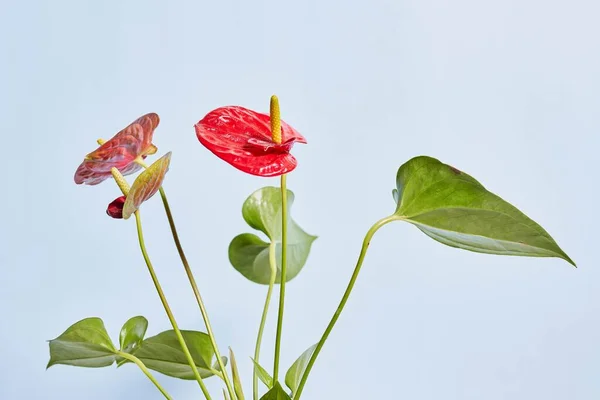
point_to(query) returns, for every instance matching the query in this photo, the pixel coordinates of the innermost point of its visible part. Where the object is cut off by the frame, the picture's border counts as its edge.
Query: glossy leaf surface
(453, 208)
(250, 255)
(294, 374)
(146, 185)
(84, 344)
(132, 333)
(276, 393)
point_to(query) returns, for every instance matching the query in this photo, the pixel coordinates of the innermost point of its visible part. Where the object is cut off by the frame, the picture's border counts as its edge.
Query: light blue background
(505, 90)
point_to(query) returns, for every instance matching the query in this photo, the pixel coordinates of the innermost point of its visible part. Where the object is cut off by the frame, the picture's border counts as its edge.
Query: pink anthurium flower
(144, 187)
(242, 138)
(119, 152)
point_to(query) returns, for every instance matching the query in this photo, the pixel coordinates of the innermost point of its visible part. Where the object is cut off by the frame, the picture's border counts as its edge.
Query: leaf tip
(569, 260)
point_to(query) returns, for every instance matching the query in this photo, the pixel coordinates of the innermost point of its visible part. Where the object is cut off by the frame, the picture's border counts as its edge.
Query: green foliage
(84, 344)
(250, 255)
(276, 393)
(132, 333)
(237, 383)
(163, 353)
(453, 208)
(294, 374)
(263, 375)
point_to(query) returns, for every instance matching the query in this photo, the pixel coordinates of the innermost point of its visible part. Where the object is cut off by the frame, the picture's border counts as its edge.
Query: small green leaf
(250, 255)
(132, 333)
(237, 383)
(162, 353)
(276, 393)
(453, 208)
(84, 344)
(294, 374)
(146, 185)
(262, 374)
(216, 365)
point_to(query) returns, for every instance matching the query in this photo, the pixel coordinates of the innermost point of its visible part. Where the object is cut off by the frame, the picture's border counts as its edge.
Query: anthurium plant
(444, 203)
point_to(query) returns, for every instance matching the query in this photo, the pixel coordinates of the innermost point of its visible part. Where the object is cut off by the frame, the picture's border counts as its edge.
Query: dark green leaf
(453, 208)
(84, 344)
(294, 374)
(250, 255)
(132, 333)
(263, 375)
(163, 353)
(276, 393)
(237, 383)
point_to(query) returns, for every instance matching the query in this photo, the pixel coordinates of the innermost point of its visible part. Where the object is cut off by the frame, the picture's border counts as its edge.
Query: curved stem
(263, 319)
(283, 276)
(338, 311)
(196, 291)
(163, 299)
(145, 370)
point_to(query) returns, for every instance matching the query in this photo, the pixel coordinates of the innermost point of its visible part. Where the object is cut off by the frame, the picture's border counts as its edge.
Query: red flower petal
(115, 209)
(242, 138)
(119, 152)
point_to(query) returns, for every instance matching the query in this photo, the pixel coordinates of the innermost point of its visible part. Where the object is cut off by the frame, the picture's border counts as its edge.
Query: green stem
(163, 299)
(263, 319)
(361, 257)
(196, 291)
(283, 275)
(145, 370)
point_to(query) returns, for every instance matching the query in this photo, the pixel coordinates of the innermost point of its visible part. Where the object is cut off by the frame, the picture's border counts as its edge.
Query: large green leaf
(84, 344)
(163, 353)
(453, 208)
(276, 393)
(250, 255)
(294, 374)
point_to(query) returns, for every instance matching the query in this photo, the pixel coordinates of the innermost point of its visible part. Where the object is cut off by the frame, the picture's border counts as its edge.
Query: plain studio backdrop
(508, 91)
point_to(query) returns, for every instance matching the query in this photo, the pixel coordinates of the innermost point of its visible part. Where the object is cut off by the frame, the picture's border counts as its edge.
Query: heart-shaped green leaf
(146, 185)
(453, 208)
(162, 353)
(84, 344)
(294, 374)
(250, 255)
(263, 375)
(132, 333)
(276, 393)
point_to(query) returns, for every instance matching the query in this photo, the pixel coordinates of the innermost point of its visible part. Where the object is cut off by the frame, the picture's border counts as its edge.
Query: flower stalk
(276, 136)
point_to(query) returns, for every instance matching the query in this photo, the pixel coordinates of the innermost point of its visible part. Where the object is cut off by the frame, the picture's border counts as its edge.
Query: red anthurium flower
(115, 209)
(119, 152)
(242, 138)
